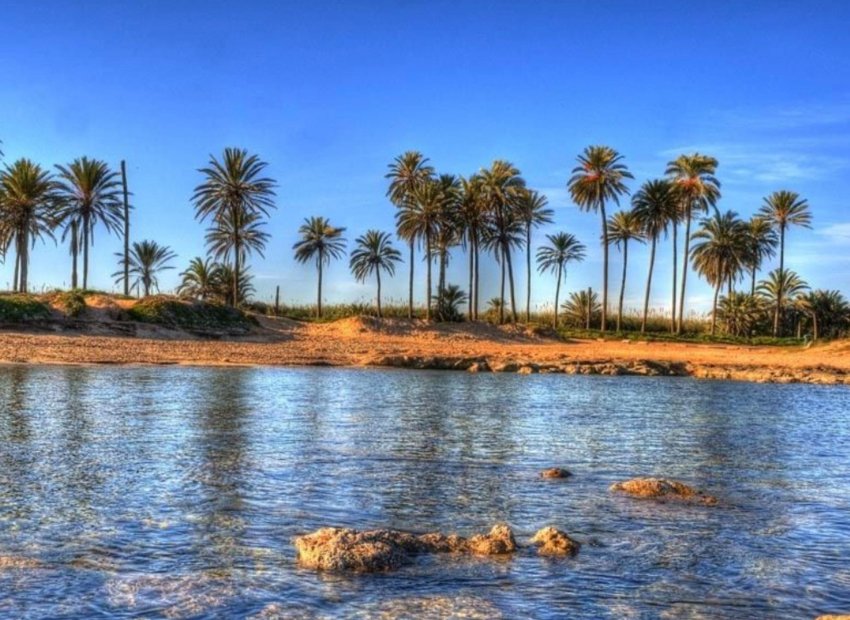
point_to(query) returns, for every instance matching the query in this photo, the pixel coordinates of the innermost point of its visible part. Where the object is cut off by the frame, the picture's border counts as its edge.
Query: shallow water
(174, 492)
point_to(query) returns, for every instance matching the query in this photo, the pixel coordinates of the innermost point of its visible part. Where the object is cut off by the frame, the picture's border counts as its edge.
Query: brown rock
(529, 369)
(499, 541)
(555, 472)
(663, 489)
(13, 562)
(334, 549)
(479, 367)
(550, 541)
(435, 542)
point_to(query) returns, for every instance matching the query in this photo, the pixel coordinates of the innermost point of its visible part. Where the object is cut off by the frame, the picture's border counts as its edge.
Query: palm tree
(320, 241)
(721, 252)
(473, 221)
(374, 252)
(624, 226)
(420, 219)
(231, 240)
(448, 226)
(654, 205)
(697, 189)
(448, 303)
(762, 244)
(533, 212)
(783, 209)
(234, 190)
(582, 307)
(828, 310)
(223, 282)
(407, 172)
(780, 286)
(502, 188)
(599, 178)
(563, 248)
(200, 280)
(495, 238)
(28, 211)
(740, 313)
(90, 194)
(147, 259)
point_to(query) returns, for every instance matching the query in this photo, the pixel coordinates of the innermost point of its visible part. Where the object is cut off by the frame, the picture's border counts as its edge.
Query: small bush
(20, 308)
(191, 315)
(72, 302)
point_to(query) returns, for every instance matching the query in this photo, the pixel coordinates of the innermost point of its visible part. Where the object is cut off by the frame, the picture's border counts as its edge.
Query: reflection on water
(174, 492)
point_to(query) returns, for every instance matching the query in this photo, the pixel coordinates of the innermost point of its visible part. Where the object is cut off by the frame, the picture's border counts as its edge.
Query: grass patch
(699, 338)
(20, 308)
(190, 315)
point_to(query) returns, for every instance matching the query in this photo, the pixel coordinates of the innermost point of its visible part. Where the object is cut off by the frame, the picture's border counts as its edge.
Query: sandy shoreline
(362, 342)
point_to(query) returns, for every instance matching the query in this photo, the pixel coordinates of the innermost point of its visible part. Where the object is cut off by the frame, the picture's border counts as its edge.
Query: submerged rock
(16, 562)
(663, 489)
(555, 472)
(342, 549)
(551, 541)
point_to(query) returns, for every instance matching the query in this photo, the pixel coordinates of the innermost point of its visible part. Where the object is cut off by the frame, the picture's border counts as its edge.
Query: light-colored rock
(479, 367)
(499, 541)
(551, 541)
(12, 562)
(528, 369)
(662, 489)
(555, 472)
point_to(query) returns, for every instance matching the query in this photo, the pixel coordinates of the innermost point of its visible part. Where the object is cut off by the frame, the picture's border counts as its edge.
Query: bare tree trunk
(126, 230)
(648, 285)
(675, 267)
(685, 264)
(412, 258)
(605, 267)
(623, 285)
(277, 300)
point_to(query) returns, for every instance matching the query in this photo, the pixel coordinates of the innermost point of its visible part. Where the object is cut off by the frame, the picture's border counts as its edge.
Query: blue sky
(329, 92)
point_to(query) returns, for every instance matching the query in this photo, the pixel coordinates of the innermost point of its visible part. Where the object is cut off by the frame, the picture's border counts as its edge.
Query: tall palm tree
(762, 244)
(655, 207)
(200, 280)
(624, 226)
(720, 252)
(697, 189)
(147, 259)
(599, 178)
(533, 211)
(508, 233)
(420, 219)
(28, 211)
(373, 253)
(562, 249)
(502, 188)
(783, 209)
(449, 226)
(780, 286)
(91, 195)
(233, 191)
(473, 217)
(407, 172)
(320, 241)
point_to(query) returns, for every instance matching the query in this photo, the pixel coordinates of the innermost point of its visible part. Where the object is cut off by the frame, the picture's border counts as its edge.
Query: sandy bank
(395, 343)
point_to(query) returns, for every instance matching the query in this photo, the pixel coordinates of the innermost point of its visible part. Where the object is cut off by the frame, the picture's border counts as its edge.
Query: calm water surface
(175, 492)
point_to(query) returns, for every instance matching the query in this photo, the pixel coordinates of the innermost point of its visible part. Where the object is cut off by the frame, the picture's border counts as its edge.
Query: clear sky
(329, 92)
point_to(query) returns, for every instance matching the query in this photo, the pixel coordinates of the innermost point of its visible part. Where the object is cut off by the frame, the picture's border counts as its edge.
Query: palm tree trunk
(86, 251)
(502, 298)
(16, 279)
(428, 279)
(753, 286)
(378, 274)
(778, 310)
(477, 279)
(685, 263)
(648, 285)
(714, 307)
(675, 267)
(558, 291)
(74, 252)
(623, 284)
(412, 258)
(814, 326)
(25, 259)
(528, 273)
(471, 271)
(319, 290)
(604, 267)
(511, 282)
(236, 259)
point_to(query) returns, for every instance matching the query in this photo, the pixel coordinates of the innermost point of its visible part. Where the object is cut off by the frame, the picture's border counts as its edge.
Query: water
(174, 492)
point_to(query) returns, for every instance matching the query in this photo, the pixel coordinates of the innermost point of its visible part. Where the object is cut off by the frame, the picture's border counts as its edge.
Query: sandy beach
(363, 341)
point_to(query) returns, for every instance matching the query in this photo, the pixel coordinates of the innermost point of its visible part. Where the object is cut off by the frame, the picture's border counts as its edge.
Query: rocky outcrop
(551, 541)
(662, 489)
(342, 549)
(555, 472)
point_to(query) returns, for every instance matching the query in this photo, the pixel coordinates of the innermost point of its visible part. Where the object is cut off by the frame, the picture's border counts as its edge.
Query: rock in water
(663, 489)
(551, 541)
(499, 541)
(555, 472)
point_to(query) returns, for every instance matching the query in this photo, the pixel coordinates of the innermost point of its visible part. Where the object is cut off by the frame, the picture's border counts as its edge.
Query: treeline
(492, 214)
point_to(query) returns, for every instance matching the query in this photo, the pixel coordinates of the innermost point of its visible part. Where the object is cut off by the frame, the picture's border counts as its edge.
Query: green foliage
(72, 302)
(191, 315)
(20, 308)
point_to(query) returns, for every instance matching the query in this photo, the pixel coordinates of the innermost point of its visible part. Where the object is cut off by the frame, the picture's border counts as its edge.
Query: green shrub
(191, 315)
(72, 302)
(20, 308)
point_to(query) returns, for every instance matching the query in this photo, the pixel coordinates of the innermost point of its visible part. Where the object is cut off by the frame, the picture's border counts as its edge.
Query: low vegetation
(190, 315)
(20, 308)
